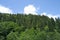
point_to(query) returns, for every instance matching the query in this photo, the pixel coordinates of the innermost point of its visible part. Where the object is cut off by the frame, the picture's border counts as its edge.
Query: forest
(28, 27)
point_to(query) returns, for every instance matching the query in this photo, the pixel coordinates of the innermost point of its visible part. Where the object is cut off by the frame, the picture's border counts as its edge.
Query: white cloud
(4, 9)
(30, 9)
(50, 15)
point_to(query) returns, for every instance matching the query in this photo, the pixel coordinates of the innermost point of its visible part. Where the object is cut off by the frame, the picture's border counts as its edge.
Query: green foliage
(28, 27)
(27, 35)
(13, 36)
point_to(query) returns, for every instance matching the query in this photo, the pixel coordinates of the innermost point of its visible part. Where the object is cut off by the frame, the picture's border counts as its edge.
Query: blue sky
(44, 6)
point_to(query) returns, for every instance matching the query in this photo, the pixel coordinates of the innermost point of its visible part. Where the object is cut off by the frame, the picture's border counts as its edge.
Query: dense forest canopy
(28, 27)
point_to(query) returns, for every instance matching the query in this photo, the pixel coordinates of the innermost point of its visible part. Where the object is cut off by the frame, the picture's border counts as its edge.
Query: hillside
(28, 27)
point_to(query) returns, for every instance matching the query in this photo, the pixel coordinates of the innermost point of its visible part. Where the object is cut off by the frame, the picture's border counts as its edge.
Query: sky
(50, 8)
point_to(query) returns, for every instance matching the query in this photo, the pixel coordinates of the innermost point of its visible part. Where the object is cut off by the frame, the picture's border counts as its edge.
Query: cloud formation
(50, 15)
(4, 9)
(30, 9)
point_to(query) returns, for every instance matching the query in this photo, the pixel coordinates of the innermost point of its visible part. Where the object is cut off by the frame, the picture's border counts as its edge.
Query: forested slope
(28, 27)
